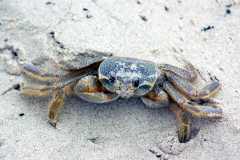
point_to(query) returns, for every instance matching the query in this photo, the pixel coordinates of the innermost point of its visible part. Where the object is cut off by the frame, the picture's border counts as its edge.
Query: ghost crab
(107, 79)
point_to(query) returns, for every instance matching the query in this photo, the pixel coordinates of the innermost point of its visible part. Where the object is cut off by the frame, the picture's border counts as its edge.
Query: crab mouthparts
(125, 91)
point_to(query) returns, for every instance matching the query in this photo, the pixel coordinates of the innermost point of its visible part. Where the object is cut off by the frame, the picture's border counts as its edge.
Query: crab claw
(206, 109)
(90, 89)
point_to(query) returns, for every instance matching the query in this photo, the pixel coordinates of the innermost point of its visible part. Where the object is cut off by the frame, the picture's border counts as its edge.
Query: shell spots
(126, 76)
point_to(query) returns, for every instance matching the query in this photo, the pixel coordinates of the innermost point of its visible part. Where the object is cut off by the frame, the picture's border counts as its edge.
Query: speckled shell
(127, 70)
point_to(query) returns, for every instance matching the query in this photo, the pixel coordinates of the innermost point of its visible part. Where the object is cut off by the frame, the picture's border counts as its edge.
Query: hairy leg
(54, 106)
(184, 123)
(13, 87)
(30, 90)
(157, 98)
(35, 73)
(189, 90)
(201, 110)
(190, 73)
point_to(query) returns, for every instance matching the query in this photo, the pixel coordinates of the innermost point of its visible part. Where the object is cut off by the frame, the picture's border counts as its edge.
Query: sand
(205, 32)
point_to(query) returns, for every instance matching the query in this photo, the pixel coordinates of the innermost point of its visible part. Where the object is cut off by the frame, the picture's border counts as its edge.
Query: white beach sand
(155, 30)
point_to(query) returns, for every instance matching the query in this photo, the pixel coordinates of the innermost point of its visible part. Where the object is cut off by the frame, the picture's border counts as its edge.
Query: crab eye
(145, 87)
(136, 83)
(112, 79)
(108, 83)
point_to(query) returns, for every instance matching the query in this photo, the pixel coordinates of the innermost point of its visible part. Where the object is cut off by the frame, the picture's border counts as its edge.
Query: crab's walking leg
(202, 110)
(15, 86)
(157, 98)
(30, 90)
(184, 123)
(190, 68)
(190, 73)
(209, 90)
(54, 106)
(187, 88)
(33, 72)
(37, 91)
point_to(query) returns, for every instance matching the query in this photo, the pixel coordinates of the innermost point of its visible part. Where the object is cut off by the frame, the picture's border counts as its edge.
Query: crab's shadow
(128, 118)
(128, 114)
